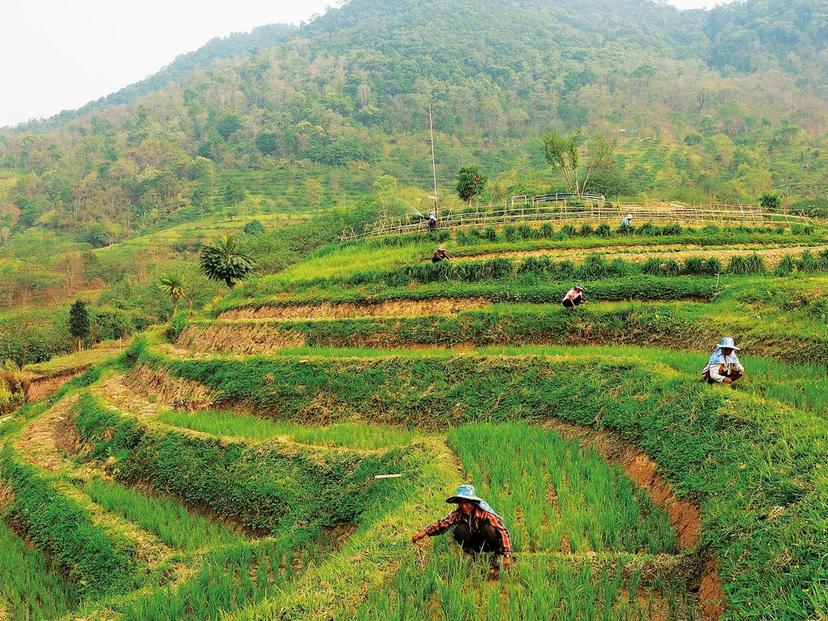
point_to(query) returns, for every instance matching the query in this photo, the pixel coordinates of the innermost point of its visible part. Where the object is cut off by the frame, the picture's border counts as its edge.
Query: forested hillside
(724, 104)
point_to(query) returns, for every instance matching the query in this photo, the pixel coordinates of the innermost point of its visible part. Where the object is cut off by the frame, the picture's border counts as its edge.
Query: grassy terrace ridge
(755, 468)
(784, 334)
(345, 260)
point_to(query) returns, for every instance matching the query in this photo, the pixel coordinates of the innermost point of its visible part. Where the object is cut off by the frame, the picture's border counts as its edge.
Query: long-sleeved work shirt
(476, 521)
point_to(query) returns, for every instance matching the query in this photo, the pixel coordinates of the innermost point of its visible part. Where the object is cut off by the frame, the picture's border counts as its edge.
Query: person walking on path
(477, 528)
(724, 366)
(574, 297)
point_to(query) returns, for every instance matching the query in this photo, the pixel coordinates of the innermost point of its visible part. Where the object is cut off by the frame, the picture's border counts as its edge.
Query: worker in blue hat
(477, 528)
(724, 366)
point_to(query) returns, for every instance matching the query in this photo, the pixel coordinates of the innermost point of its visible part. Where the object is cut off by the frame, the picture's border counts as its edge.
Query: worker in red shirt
(477, 528)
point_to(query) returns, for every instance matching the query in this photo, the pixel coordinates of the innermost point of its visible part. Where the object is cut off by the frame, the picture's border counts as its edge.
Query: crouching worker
(724, 366)
(440, 255)
(477, 528)
(574, 297)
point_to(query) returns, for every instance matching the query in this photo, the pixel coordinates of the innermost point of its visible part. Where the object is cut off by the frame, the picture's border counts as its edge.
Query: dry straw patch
(162, 390)
(772, 255)
(351, 310)
(45, 441)
(237, 339)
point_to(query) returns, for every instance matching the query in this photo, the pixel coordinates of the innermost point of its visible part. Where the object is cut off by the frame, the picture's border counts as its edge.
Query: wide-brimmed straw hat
(464, 492)
(727, 342)
(580, 288)
(443, 248)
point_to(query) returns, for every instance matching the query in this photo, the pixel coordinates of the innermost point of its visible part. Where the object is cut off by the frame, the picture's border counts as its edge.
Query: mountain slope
(313, 119)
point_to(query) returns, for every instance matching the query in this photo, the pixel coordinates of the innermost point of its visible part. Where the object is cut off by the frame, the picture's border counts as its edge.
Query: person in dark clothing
(440, 255)
(574, 297)
(477, 528)
(432, 222)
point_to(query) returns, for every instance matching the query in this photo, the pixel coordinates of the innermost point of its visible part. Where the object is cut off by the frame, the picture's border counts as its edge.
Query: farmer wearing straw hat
(477, 528)
(440, 255)
(574, 297)
(627, 220)
(724, 366)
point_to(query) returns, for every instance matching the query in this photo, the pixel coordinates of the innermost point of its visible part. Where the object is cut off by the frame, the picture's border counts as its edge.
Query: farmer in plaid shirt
(477, 528)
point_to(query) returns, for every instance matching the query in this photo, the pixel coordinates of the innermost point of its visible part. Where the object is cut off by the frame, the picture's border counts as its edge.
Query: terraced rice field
(239, 469)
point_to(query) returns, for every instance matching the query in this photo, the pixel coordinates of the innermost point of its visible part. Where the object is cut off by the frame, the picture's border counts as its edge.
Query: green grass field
(631, 489)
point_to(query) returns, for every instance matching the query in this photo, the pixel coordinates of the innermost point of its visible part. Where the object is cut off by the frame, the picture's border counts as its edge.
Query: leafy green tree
(254, 227)
(229, 125)
(225, 261)
(385, 188)
(233, 192)
(79, 325)
(770, 201)
(470, 183)
(562, 153)
(173, 286)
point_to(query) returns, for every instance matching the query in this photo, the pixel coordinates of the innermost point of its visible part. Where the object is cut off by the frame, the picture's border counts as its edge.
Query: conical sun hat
(727, 342)
(464, 492)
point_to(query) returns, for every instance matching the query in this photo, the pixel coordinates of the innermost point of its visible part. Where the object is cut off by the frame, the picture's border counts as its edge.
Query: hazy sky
(60, 54)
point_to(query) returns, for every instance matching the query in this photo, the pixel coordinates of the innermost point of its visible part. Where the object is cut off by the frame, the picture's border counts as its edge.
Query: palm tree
(173, 286)
(225, 261)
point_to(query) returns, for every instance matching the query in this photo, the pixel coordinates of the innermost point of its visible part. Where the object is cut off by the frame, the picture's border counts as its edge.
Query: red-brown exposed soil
(43, 387)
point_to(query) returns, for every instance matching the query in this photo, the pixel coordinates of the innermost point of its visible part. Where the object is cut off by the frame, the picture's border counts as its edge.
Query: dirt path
(771, 254)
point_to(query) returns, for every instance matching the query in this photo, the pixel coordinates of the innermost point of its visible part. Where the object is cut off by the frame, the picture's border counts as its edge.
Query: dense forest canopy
(723, 104)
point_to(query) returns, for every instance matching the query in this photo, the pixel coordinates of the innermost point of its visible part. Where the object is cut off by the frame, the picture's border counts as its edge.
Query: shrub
(671, 268)
(648, 228)
(603, 230)
(546, 231)
(651, 266)
(671, 229)
(586, 230)
(176, 326)
(753, 264)
(510, 233)
(625, 229)
(490, 234)
(524, 231)
(568, 229)
(694, 266)
(254, 227)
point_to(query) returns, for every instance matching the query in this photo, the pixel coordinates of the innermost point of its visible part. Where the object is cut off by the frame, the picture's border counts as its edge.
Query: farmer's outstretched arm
(439, 527)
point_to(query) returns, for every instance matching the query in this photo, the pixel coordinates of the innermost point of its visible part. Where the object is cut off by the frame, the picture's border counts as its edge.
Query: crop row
(512, 233)
(690, 326)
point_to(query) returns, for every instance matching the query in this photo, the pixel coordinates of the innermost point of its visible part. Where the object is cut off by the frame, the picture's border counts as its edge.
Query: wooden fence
(562, 208)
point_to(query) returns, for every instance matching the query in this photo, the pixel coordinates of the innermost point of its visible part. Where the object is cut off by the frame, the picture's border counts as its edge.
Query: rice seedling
(355, 435)
(557, 496)
(28, 586)
(174, 525)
